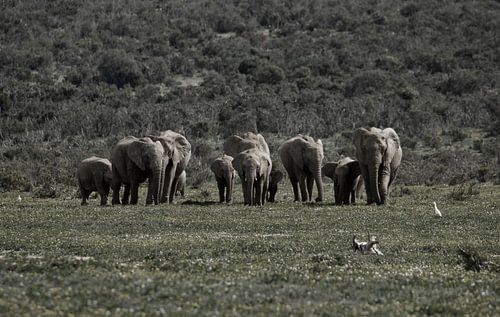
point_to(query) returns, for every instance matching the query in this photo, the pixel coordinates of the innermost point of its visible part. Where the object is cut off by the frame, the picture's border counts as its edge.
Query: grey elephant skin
(94, 174)
(274, 178)
(225, 174)
(177, 153)
(302, 158)
(346, 176)
(253, 167)
(135, 160)
(379, 155)
(180, 188)
(238, 143)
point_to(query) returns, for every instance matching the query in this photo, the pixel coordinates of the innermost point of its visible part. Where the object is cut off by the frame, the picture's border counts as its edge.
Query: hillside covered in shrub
(76, 76)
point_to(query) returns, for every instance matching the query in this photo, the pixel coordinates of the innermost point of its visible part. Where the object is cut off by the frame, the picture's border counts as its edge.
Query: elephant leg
(258, 187)
(126, 195)
(245, 193)
(353, 196)
(303, 189)
(173, 188)
(115, 185)
(336, 191)
(346, 195)
(221, 185)
(85, 195)
(102, 189)
(168, 185)
(272, 193)
(149, 195)
(134, 193)
(295, 186)
(310, 185)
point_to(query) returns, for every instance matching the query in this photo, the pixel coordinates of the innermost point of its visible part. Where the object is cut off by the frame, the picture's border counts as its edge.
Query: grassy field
(196, 258)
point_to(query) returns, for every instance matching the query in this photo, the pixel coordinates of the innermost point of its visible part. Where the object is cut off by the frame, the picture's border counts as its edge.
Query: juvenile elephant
(274, 178)
(94, 174)
(225, 174)
(346, 176)
(181, 184)
(302, 157)
(253, 167)
(177, 153)
(379, 154)
(135, 160)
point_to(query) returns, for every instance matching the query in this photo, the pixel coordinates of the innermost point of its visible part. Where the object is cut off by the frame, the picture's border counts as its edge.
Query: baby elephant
(180, 188)
(275, 177)
(224, 172)
(94, 174)
(346, 176)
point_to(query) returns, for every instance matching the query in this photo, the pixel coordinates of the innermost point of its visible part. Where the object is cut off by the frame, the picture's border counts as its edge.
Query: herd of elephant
(162, 160)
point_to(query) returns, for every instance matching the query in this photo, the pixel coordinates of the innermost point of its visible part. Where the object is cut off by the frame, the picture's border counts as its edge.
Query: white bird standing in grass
(19, 198)
(436, 210)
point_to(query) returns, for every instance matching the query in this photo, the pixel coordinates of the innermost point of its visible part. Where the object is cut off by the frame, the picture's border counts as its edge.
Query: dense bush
(75, 73)
(118, 68)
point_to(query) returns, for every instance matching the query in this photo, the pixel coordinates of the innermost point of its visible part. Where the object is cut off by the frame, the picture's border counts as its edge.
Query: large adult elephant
(346, 176)
(302, 158)
(135, 160)
(94, 174)
(224, 172)
(253, 167)
(379, 155)
(177, 151)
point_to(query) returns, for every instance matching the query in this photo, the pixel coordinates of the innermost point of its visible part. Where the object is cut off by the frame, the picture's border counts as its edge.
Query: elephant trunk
(373, 171)
(168, 180)
(249, 182)
(385, 174)
(157, 180)
(164, 164)
(318, 180)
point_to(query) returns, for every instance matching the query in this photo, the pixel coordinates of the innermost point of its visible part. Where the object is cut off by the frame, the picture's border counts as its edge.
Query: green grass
(58, 258)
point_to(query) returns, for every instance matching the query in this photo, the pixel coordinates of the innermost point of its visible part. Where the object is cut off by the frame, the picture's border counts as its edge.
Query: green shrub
(12, 180)
(459, 83)
(464, 191)
(269, 74)
(366, 83)
(409, 9)
(120, 69)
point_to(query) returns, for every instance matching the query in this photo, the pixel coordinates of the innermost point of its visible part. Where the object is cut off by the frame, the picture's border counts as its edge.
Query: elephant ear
(168, 145)
(328, 169)
(237, 162)
(320, 146)
(393, 137)
(354, 169)
(359, 135)
(135, 152)
(263, 144)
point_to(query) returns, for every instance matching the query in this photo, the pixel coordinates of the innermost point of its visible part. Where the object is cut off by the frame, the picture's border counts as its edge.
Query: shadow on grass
(199, 203)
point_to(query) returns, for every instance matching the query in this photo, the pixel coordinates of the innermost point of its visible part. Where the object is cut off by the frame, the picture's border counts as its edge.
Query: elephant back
(249, 140)
(96, 160)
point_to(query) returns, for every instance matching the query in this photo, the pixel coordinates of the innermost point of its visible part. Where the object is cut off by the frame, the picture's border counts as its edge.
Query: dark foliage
(76, 76)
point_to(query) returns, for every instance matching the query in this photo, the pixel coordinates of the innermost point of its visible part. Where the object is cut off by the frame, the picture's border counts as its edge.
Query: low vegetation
(201, 258)
(76, 76)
